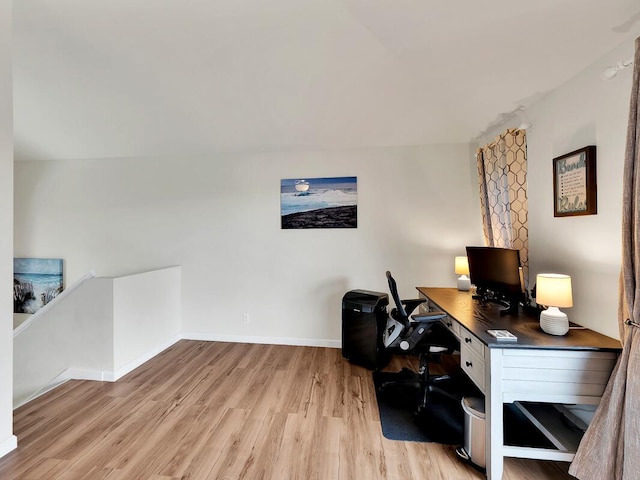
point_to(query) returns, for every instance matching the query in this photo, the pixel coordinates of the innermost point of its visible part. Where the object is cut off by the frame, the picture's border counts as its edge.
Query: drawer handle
(469, 364)
(467, 339)
(449, 324)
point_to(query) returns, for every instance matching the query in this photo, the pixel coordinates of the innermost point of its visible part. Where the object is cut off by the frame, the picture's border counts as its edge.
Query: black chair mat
(442, 422)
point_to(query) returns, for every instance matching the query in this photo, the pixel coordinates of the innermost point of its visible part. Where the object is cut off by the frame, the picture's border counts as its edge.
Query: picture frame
(36, 281)
(574, 183)
(325, 202)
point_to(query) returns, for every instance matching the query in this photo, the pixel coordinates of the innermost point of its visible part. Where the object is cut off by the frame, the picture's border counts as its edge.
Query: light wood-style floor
(207, 410)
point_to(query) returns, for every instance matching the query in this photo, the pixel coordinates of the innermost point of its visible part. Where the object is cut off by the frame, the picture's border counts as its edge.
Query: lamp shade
(462, 266)
(554, 290)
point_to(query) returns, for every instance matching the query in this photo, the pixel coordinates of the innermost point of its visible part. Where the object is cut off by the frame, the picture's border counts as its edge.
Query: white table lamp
(462, 269)
(554, 290)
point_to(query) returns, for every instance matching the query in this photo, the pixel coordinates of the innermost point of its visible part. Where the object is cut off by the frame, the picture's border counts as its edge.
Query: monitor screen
(495, 272)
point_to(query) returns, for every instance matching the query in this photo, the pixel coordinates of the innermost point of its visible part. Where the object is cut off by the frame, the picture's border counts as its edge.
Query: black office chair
(422, 334)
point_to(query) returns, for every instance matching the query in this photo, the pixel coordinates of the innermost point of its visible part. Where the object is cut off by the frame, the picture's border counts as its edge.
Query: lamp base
(464, 283)
(554, 322)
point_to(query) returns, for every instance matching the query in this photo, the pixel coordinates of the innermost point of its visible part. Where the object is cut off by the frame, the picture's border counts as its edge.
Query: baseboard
(65, 376)
(304, 342)
(98, 375)
(112, 376)
(8, 445)
(131, 366)
(80, 374)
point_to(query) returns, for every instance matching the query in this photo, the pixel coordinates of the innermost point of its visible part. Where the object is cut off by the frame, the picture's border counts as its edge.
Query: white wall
(7, 440)
(75, 334)
(98, 329)
(219, 218)
(146, 316)
(585, 111)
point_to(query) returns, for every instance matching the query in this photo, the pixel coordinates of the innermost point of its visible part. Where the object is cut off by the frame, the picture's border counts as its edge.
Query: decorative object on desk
(574, 183)
(319, 203)
(462, 269)
(554, 290)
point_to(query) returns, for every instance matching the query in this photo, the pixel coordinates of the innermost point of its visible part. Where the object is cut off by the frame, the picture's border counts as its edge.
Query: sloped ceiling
(163, 77)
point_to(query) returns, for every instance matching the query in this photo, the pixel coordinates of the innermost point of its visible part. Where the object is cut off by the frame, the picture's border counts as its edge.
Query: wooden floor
(206, 410)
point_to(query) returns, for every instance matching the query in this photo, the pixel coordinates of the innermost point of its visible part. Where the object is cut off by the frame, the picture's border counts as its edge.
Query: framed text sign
(574, 183)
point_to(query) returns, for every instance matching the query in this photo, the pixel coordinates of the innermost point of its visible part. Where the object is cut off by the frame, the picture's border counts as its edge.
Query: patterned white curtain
(502, 177)
(610, 448)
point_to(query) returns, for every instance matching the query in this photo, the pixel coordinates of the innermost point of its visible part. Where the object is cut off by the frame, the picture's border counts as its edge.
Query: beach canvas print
(319, 202)
(36, 281)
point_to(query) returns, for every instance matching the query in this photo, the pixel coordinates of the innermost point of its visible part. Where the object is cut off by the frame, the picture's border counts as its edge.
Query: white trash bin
(474, 428)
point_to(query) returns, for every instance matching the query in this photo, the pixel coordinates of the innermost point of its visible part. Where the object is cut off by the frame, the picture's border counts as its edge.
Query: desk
(542, 368)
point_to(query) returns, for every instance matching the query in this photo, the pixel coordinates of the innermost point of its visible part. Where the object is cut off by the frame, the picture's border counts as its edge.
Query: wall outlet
(245, 318)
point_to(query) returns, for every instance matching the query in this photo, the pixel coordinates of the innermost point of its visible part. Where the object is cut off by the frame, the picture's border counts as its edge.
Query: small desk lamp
(554, 290)
(462, 269)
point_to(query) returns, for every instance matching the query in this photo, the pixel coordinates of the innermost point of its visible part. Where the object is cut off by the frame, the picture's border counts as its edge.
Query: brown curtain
(610, 448)
(502, 177)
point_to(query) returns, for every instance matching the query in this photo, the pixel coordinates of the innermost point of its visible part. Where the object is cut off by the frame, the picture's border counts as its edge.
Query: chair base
(425, 384)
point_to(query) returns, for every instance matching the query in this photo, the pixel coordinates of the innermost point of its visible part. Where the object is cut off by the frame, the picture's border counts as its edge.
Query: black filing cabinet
(364, 318)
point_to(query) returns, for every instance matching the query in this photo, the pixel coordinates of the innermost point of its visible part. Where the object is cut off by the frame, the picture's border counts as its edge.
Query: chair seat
(424, 335)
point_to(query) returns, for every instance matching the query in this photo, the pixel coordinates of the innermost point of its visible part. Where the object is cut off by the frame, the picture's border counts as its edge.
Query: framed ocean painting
(330, 202)
(36, 281)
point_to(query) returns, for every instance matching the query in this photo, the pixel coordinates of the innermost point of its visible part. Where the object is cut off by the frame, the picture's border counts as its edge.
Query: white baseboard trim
(65, 376)
(98, 375)
(8, 445)
(57, 381)
(304, 342)
(82, 374)
(112, 376)
(131, 366)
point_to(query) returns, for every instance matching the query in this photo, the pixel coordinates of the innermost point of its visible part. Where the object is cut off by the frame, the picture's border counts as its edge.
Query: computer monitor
(496, 274)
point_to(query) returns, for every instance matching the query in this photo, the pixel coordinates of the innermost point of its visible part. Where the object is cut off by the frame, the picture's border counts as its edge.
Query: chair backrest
(403, 317)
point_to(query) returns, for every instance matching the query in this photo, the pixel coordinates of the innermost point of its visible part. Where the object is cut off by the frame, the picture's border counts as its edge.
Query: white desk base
(504, 375)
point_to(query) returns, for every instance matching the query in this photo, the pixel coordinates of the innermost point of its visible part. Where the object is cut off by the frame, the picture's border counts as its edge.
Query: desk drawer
(473, 366)
(452, 325)
(470, 342)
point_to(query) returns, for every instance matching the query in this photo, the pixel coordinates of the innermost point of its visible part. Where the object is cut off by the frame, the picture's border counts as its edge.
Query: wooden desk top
(526, 326)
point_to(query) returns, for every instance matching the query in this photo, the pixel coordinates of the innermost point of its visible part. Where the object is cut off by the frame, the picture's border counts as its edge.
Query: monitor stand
(509, 307)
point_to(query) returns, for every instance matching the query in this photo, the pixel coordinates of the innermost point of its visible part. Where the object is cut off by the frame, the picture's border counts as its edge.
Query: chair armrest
(428, 317)
(411, 304)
